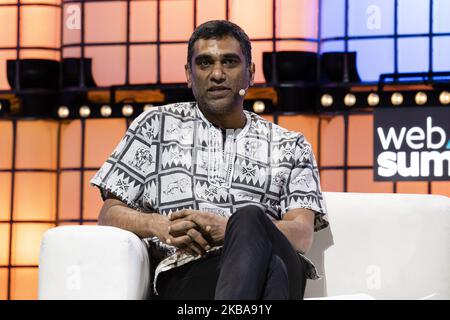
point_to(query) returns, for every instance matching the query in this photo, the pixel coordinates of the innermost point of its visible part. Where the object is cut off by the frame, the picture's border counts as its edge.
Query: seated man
(228, 201)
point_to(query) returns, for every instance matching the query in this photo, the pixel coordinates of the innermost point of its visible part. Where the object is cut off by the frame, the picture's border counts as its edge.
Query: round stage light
(259, 106)
(148, 107)
(85, 111)
(397, 98)
(63, 112)
(105, 111)
(127, 110)
(421, 98)
(444, 97)
(349, 100)
(326, 100)
(373, 99)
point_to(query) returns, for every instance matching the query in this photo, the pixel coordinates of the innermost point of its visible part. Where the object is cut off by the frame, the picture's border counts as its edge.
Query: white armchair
(93, 262)
(380, 246)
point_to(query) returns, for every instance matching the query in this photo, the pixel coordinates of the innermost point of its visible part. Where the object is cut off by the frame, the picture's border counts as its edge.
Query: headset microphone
(242, 92)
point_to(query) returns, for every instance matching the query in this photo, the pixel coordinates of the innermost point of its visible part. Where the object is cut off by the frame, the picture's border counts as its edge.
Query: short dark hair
(218, 29)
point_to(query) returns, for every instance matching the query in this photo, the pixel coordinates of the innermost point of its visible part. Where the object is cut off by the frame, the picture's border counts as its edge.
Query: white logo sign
(412, 144)
(418, 164)
(73, 21)
(373, 21)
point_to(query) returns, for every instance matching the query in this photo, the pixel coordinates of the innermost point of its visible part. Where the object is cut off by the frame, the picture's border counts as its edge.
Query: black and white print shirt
(173, 158)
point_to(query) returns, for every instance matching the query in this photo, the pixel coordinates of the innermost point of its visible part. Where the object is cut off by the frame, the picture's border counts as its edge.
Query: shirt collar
(241, 132)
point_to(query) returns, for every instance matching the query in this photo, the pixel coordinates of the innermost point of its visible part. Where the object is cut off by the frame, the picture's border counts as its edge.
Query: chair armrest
(93, 262)
(387, 246)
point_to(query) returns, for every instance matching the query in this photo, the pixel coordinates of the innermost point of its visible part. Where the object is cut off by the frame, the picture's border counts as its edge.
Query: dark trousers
(257, 262)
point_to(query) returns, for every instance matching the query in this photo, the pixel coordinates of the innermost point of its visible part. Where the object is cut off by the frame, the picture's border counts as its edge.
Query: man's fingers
(197, 237)
(178, 214)
(177, 229)
(195, 247)
(200, 220)
(180, 241)
(186, 243)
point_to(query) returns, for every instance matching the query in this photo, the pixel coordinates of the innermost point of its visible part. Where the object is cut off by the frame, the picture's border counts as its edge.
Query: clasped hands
(194, 231)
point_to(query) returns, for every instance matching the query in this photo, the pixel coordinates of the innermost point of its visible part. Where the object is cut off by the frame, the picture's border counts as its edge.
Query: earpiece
(242, 92)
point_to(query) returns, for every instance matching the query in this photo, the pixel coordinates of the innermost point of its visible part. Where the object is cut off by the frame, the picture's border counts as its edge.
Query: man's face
(217, 71)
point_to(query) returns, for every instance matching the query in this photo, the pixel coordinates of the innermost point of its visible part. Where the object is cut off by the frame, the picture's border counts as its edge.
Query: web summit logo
(412, 144)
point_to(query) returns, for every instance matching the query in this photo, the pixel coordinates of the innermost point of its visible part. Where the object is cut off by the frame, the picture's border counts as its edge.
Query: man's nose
(218, 74)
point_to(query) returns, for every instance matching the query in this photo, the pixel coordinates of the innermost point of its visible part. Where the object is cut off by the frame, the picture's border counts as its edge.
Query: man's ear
(187, 70)
(252, 73)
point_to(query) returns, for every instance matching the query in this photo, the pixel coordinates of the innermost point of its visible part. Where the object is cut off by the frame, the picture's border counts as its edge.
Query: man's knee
(248, 219)
(278, 266)
(249, 213)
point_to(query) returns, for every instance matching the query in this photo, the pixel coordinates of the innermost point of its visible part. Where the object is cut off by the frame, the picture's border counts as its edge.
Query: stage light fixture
(63, 112)
(397, 98)
(127, 110)
(421, 98)
(350, 100)
(373, 99)
(326, 100)
(105, 111)
(71, 70)
(290, 66)
(34, 73)
(5, 107)
(85, 111)
(444, 97)
(259, 106)
(339, 67)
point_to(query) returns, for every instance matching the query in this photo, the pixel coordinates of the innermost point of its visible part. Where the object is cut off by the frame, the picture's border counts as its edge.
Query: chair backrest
(388, 246)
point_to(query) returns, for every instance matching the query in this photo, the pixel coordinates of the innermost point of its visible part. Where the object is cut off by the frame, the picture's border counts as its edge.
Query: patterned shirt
(172, 158)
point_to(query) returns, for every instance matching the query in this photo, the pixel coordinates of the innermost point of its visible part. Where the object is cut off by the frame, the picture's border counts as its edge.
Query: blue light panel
(413, 54)
(441, 54)
(330, 46)
(413, 16)
(374, 21)
(371, 17)
(333, 18)
(374, 57)
(441, 16)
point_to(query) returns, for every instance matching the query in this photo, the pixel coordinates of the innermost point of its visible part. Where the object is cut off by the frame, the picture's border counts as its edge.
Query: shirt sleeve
(124, 172)
(302, 188)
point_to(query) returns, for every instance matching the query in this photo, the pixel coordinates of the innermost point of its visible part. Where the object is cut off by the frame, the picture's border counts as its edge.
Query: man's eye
(229, 62)
(204, 63)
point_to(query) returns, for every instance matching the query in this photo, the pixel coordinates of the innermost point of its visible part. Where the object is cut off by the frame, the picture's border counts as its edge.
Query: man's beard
(217, 109)
(220, 107)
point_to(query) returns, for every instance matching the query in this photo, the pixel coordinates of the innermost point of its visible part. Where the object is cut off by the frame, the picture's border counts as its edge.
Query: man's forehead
(217, 46)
